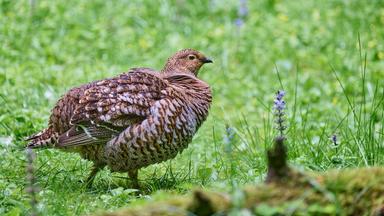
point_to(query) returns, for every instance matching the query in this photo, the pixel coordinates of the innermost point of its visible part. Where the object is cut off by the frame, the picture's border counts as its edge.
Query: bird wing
(173, 120)
(86, 134)
(109, 106)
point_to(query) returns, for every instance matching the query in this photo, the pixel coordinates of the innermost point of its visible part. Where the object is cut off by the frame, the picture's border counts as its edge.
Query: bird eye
(191, 57)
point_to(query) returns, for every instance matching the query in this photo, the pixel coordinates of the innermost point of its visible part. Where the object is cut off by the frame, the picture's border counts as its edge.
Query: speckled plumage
(132, 120)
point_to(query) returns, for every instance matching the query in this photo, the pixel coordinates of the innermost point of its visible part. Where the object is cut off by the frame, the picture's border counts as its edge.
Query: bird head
(186, 61)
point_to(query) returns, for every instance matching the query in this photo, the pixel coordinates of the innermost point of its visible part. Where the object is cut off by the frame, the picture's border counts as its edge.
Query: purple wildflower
(239, 22)
(279, 107)
(336, 159)
(335, 142)
(334, 139)
(242, 12)
(229, 134)
(243, 9)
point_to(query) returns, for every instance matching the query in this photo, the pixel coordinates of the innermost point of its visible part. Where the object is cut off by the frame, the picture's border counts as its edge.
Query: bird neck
(171, 67)
(168, 71)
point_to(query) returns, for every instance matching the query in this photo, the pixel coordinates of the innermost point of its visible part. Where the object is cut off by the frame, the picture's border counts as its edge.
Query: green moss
(337, 192)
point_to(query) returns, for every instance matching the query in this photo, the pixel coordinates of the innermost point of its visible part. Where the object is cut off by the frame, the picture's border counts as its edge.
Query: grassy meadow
(328, 56)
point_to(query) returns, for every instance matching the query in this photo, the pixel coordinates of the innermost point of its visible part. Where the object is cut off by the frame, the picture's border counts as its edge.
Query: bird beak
(206, 60)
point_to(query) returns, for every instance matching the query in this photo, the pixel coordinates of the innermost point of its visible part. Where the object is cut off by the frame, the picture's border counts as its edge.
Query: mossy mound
(358, 191)
(338, 192)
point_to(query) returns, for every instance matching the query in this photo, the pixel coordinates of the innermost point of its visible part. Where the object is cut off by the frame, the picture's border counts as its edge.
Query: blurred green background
(327, 55)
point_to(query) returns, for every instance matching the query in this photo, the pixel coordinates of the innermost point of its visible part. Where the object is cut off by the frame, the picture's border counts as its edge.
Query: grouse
(133, 120)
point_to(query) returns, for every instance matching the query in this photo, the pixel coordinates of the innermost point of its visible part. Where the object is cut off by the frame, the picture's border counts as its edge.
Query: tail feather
(46, 138)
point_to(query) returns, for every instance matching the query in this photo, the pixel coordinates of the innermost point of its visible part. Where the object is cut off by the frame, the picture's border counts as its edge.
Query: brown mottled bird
(132, 120)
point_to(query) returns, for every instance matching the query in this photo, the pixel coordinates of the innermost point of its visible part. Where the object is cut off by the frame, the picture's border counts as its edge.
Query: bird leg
(133, 177)
(92, 175)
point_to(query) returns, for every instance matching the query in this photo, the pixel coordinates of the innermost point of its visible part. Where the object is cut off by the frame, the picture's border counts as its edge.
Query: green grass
(327, 55)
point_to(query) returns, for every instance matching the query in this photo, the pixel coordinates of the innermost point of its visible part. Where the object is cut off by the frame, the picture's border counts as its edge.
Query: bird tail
(45, 138)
